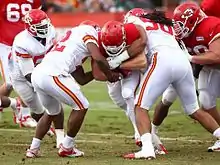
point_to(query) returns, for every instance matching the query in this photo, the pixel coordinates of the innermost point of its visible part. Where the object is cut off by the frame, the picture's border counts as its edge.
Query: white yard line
(183, 139)
(78, 141)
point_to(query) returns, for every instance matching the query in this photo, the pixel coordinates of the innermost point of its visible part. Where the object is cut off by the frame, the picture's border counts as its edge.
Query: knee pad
(207, 100)
(127, 93)
(169, 96)
(54, 109)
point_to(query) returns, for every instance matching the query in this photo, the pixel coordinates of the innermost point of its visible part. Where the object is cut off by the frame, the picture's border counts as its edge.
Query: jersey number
(157, 26)
(59, 46)
(15, 11)
(199, 49)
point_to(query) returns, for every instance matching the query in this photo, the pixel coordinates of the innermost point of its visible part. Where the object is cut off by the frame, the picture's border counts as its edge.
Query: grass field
(107, 134)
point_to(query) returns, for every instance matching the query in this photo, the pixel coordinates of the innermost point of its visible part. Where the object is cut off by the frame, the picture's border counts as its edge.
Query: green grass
(106, 135)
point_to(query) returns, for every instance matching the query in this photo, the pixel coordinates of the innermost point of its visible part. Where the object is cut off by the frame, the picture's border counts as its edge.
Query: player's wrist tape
(123, 56)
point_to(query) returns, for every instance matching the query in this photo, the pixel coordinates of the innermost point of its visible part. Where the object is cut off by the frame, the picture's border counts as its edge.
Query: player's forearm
(136, 47)
(137, 63)
(87, 78)
(206, 58)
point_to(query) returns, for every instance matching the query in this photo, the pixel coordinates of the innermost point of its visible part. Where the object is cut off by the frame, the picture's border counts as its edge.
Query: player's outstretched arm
(81, 77)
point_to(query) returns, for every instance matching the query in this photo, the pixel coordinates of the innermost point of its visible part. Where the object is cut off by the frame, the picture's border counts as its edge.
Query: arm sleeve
(25, 61)
(214, 34)
(91, 37)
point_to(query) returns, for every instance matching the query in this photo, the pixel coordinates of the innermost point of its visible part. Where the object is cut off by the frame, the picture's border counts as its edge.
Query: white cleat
(28, 122)
(215, 147)
(33, 153)
(51, 132)
(158, 145)
(16, 110)
(146, 153)
(69, 152)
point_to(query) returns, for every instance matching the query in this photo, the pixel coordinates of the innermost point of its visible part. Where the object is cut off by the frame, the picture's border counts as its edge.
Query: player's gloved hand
(114, 76)
(113, 62)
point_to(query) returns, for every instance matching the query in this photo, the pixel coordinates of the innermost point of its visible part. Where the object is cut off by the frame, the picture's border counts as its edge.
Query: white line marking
(183, 139)
(78, 141)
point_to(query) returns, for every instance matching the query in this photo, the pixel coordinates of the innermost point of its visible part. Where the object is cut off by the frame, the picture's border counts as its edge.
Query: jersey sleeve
(24, 60)
(214, 34)
(91, 36)
(131, 32)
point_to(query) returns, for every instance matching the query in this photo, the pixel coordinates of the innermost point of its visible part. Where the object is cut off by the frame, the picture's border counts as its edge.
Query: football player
(28, 49)
(168, 65)
(11, 24)
(190, 20)
(55, 80)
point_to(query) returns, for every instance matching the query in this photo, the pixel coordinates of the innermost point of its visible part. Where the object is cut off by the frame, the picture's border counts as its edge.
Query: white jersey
(70, 51)
(27, 52)
(158, 34)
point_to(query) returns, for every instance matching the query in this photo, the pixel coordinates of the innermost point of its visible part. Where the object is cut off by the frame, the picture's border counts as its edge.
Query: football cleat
(28, 122)
(138, 143)
(33, 153)
(51, 132)
(158, 145)
(149, 155)
(16, 109)
(215, 147)
(69, 152)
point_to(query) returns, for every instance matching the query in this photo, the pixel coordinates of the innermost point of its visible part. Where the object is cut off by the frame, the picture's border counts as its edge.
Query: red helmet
(113, 38)
(91, 23)
(137, 12)
(37, 23)
(186, 17)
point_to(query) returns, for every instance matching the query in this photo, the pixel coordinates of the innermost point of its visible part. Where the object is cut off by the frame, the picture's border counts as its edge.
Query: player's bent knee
(169, 97)
(191, 108)
(206, 100)
(127, 93)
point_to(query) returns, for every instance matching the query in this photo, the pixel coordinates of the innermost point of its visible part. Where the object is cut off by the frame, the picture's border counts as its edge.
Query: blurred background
(66, 14)
(91, 6)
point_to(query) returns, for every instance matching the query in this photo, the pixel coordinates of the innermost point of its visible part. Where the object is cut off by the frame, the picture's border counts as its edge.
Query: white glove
(113, 62)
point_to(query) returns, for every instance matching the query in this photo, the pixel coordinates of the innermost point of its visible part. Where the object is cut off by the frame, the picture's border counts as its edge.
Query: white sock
(146, 139)
(216, 133)
(13, 102)
(35, 143)
(25, 111)
(130, 113)
(68, 142)
(59, 135)
(154, 128)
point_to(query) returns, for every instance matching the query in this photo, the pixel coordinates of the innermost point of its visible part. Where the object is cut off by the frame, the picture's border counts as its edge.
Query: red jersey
(11, 14)
(211, 7)
(204, 33)
(131, 33)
